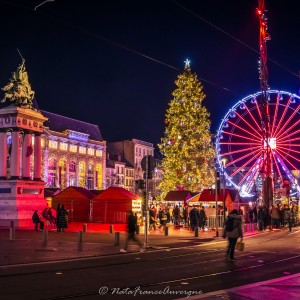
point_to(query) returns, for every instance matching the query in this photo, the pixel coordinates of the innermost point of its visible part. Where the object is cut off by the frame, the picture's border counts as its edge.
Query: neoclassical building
(73, 153)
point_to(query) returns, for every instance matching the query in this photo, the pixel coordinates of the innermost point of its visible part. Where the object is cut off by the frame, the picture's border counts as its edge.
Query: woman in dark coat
(233, 233)
(62, 218)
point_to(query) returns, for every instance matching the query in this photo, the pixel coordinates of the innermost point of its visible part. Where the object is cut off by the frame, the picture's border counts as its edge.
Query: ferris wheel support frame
(267, 187)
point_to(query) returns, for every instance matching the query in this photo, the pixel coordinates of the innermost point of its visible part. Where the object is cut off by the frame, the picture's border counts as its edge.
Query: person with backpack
(233, 231)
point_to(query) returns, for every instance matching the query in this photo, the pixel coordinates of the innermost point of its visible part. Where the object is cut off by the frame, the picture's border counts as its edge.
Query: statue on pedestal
(18, 90)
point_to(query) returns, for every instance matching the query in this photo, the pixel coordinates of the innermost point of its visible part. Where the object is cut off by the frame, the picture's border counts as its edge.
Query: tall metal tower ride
(264, 36)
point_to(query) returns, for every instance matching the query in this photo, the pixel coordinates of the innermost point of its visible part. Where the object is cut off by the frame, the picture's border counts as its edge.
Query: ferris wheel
(240, 141)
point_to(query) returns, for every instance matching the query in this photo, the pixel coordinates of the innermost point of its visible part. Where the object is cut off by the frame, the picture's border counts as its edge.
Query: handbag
(240, 246)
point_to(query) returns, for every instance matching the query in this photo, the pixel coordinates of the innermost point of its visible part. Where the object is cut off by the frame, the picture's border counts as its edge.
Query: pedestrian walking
(131, 223)
(176, 215)
(260, 218)
(194, 218)
(288, 217)
(162, 215)
(251, 215)
(275, 217)
(152, 218)
(202, 218)
(185, 215)
(232, 230)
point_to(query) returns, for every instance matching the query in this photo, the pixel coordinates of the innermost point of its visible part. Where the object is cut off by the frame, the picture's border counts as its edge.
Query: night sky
(114, 63)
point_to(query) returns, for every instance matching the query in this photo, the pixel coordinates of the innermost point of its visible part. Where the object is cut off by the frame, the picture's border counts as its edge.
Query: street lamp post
(216, 198)
(224, 160)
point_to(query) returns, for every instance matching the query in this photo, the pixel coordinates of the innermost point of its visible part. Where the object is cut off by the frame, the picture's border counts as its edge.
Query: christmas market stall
(76, 201)
(209, 201)
(179, 198)
(112, 205)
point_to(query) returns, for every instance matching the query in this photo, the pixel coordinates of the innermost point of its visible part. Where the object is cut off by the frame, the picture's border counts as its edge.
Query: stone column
(37, 157)
(15, 155)
(3, 155)
(26, 155)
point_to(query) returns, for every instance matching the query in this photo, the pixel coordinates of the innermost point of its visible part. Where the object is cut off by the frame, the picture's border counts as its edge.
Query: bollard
(255, 226)
(245, 228)
(196, 231)
(79, 238)
(166, 230)
(79, 241)
(137, 231)
(84, 227)
(111, 228)
(12, 230)
(117, 238)
(45, 237)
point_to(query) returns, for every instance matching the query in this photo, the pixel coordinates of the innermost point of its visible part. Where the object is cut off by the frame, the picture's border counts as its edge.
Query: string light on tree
(186, 146)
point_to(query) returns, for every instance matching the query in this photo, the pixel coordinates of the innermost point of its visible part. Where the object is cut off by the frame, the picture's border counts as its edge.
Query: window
(99, 153)
(51, 182)
(82, 150)
(90, 177)
(53, 144)
(73, 148)
(81, 174)
(91, 151)
(63, 146)
(98, 175)
(62, 174)
(72, 173)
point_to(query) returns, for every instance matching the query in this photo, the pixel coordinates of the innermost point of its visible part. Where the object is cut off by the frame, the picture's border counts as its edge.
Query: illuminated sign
(74, 135)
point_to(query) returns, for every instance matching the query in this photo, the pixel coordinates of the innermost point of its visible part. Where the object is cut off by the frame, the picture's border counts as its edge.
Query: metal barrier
(211, 221)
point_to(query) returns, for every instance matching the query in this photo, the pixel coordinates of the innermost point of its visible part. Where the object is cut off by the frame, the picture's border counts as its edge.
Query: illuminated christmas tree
(187, 149)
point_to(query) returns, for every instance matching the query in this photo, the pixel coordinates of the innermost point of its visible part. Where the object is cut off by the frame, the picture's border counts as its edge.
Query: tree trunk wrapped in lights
(187, 149)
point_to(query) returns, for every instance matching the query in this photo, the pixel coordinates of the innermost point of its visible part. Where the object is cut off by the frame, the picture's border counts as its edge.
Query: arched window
(81, 174)
(72, 173)
(52, 165)
(99, 177)
(62, 173)
(90, 177)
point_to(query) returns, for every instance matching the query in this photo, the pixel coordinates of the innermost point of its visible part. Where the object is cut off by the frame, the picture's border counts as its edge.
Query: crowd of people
(188, 216)
(58, 218)
(279, 216)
